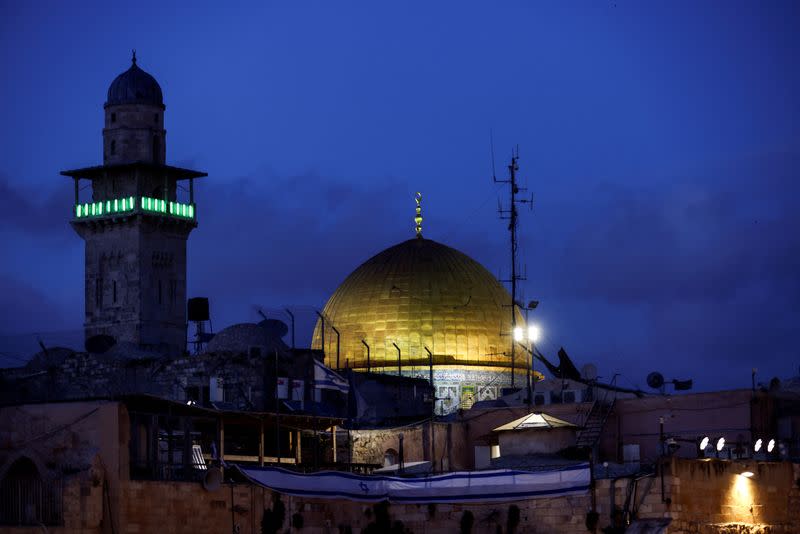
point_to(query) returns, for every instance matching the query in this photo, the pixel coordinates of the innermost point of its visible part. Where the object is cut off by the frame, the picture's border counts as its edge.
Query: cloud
(277, 240)
(708, 264)
(635, 276)
(33, 210)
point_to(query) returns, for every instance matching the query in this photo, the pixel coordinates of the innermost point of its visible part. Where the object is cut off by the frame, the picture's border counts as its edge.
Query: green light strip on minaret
(109, 207)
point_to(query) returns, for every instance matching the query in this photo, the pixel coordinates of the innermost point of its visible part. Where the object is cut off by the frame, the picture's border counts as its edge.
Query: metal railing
(111, 207)
(192, 472)
(26, 501)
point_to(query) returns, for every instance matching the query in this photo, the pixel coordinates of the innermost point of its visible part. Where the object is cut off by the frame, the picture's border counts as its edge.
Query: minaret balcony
(130, 205)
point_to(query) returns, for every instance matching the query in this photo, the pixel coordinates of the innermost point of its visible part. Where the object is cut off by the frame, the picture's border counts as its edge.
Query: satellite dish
(589, 372)
(275, 328)
(655, 380)
(100, 343)
(213, 479)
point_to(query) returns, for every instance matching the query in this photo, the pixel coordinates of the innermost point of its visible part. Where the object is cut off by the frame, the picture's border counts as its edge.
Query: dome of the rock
(421, 296)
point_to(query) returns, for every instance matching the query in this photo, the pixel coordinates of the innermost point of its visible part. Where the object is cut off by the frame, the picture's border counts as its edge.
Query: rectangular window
(115, 291)
(98, 292)
(159, 292)
(173, 291)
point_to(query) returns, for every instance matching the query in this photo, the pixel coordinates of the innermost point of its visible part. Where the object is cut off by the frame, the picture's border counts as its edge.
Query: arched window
(390, 457)
(113, 118)
(113, 147)
(25, 499)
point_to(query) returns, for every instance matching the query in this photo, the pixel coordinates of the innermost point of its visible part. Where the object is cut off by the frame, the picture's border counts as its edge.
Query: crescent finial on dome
(418, 217)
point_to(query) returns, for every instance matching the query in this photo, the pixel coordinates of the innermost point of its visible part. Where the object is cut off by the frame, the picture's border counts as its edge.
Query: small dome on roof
(134, 86)
(243, 337)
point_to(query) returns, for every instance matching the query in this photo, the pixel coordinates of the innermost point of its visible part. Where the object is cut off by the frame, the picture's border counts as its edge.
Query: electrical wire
(55, 430)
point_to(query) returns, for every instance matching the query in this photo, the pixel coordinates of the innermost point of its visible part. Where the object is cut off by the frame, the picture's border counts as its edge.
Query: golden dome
(419, 294)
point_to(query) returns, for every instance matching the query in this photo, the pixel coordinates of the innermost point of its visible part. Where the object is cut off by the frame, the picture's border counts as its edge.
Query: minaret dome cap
(134, 86)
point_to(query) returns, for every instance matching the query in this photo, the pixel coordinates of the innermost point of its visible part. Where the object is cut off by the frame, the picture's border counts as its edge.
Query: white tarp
(458, 487)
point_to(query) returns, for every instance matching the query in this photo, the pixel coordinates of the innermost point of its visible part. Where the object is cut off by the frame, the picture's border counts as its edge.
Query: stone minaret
(135, 226)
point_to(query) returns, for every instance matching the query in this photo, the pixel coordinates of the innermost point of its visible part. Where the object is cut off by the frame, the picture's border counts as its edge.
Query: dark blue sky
(661, 143)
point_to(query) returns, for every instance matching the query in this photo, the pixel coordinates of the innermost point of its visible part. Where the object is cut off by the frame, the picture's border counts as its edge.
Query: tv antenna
(510, 214)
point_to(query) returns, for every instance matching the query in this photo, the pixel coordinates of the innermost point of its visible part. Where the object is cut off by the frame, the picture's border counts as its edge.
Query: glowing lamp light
(518, 334)
(757, 446)
(746, 474)
(770, 445)
(534, 333)
(704, 443)
(720, 444)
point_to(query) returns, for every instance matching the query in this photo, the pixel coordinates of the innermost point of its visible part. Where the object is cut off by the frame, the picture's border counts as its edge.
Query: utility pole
(336, 331)
(322, 330)
(277, 412)
(365, 344)
(510, 214)
(399, 362)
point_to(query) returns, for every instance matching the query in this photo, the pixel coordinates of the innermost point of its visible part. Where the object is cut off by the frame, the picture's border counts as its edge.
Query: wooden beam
(261, 443)
(333, 437)
(221, 433)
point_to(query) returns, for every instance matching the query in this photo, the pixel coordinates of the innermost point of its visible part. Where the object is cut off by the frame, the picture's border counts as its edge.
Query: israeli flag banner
(459, 487)
(326, 378)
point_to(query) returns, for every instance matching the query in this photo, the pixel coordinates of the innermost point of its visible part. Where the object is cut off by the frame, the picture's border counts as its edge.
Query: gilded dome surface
(419, 294)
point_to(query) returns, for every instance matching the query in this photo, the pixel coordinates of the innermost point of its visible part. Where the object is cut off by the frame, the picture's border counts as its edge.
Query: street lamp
(532, 336)
(519, 334)
(534, 333)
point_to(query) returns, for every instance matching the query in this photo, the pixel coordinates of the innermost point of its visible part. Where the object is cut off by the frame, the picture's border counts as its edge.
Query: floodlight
(770, 445)
(534, 333)
(757, 446)
(704, 443)
(746, 474)
(518, 335)
(720, 444)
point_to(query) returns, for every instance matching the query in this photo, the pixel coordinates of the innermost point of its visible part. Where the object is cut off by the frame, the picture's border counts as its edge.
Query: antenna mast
(511, 215)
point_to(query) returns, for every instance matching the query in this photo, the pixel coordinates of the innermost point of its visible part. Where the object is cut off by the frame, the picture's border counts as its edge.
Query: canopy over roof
(99, 170)
(534, 421)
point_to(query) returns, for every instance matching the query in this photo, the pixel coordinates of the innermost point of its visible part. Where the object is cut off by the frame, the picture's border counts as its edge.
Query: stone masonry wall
(712, 496)
(175, 507)
(698, 506)
(82, 512)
